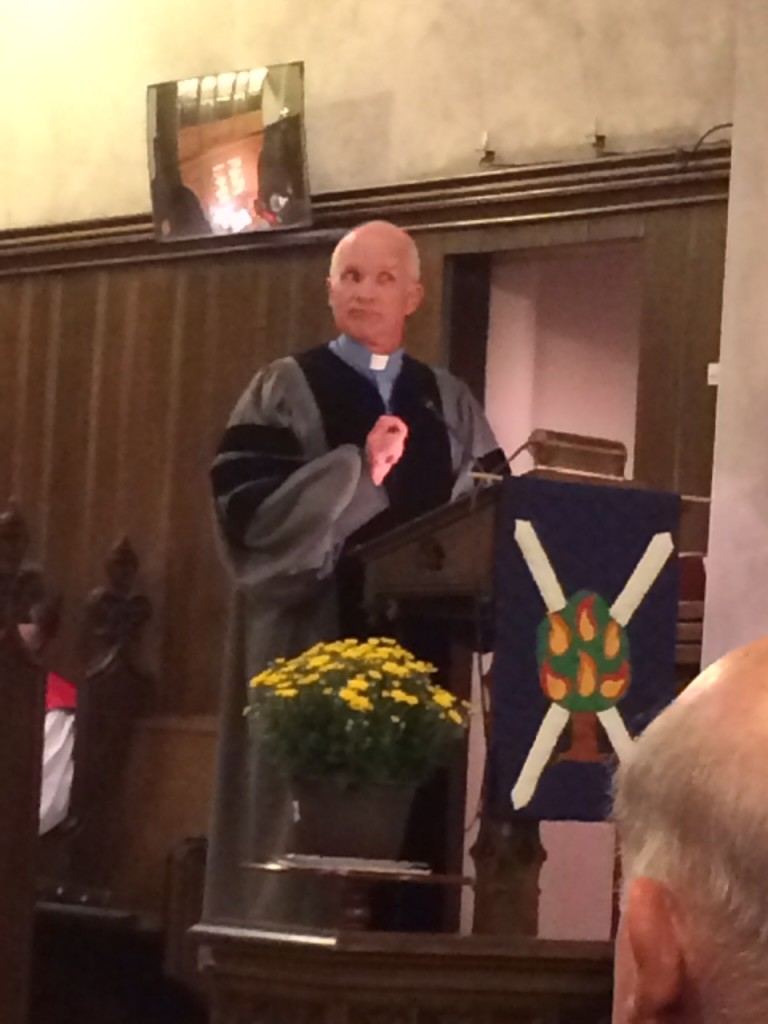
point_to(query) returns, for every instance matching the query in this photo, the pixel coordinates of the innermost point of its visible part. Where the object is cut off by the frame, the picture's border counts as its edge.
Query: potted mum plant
(355, 726)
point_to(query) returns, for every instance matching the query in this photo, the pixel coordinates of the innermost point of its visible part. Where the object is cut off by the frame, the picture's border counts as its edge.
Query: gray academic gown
(284, 601)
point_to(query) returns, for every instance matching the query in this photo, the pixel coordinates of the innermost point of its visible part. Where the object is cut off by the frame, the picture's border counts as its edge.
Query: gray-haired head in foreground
(691, 810)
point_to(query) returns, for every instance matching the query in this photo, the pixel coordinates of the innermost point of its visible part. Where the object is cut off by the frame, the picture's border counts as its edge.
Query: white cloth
(58, 766)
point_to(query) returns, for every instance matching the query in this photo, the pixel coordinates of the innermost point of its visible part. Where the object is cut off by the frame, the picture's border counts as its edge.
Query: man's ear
(415, 295)
(654, 939)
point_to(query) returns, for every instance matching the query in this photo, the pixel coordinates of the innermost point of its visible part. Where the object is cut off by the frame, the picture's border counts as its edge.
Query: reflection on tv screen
(227, 153)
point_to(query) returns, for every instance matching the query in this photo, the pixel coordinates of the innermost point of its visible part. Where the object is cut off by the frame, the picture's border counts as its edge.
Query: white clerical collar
(365, 361)
(380, 369)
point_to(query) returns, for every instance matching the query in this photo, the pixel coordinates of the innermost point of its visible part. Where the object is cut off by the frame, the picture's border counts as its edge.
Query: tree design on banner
(586, 608)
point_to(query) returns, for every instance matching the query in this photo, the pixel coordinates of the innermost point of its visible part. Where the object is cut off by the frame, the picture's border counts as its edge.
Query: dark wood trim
(467, 291)
(396, 977)
(509, 195)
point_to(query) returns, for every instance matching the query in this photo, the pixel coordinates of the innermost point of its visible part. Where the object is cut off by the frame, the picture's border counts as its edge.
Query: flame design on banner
(585, 615)
(583, 655)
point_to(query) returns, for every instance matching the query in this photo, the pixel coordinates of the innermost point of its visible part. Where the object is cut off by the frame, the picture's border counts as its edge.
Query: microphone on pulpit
(489, 467)
(467, 458)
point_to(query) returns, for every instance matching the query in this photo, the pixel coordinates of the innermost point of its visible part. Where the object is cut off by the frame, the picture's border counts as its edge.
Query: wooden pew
(112, 694)
(22, 683)
(121, 878)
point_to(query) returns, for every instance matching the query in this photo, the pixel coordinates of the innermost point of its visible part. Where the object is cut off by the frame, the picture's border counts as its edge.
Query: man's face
(371, 290)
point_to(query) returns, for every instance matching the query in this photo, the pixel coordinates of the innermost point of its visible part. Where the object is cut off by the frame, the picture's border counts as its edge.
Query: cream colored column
(737, 566)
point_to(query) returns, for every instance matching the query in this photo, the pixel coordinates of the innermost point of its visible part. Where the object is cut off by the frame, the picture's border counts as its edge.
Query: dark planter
(337, 820)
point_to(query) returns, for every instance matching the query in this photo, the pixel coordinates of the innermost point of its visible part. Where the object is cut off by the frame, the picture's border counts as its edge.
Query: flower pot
(337, 820)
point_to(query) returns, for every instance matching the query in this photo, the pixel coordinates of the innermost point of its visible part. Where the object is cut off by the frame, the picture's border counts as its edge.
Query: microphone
(495, 464)
(484, 467)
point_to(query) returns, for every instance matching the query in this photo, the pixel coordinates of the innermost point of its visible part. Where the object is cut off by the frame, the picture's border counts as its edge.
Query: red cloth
(59, 693)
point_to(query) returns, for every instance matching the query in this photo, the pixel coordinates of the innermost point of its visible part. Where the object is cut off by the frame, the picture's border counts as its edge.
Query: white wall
(394, 91)
(577, 880)
(510, 369)
(737, 564)
(563, 345)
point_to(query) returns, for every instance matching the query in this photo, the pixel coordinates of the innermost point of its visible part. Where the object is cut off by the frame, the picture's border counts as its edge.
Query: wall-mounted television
(227, 153)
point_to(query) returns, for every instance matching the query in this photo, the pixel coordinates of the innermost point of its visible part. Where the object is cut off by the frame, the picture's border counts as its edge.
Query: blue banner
(585, 610)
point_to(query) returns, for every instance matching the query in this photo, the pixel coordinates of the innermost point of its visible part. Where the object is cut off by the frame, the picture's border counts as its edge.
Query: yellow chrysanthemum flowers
(365, 709)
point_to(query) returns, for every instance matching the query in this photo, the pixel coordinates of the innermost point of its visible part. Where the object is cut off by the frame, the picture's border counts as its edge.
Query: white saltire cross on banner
(623, 608)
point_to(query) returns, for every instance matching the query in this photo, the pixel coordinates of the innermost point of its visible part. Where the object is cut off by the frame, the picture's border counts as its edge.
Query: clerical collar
(382, 370)
(360, 358)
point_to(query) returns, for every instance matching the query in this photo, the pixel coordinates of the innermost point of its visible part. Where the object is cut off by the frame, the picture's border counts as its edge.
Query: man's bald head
(373, 285)
(692, 816)
(384, 231)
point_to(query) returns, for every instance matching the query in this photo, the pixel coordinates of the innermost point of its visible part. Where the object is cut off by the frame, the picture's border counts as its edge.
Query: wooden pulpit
(441, 566)
(441, 562)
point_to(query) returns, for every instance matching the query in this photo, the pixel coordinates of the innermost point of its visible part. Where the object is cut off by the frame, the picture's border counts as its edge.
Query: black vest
(349, 406)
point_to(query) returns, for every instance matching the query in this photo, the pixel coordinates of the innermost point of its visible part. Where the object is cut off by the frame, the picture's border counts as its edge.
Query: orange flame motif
(559, 634)
(555, 686)
(585, 619)
(586, 677)
(613, 686)
(612, 641)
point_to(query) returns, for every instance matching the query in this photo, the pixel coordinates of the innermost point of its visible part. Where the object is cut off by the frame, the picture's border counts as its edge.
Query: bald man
(692, 817)
(339, 444)
(331, 447)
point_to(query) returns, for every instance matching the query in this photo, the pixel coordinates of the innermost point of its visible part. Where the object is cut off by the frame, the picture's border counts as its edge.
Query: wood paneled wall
(682, 298)
(116, 386)
(165, 799)
(120, 364)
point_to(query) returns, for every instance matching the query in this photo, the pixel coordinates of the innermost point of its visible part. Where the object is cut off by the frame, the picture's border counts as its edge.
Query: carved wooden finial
(122, 567)
(14, 539)
(22, 588)
(116, 614)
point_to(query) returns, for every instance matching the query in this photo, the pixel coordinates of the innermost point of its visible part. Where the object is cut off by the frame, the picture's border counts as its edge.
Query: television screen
(227, 153)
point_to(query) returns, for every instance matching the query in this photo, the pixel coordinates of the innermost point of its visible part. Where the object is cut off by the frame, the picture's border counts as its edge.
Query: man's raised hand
(384, 446)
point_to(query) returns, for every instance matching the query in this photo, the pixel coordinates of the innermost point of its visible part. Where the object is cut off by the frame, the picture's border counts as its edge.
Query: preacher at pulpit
(337, 444)
(333, 446)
